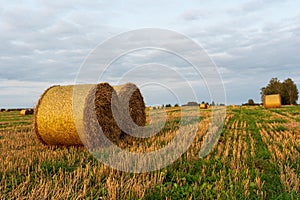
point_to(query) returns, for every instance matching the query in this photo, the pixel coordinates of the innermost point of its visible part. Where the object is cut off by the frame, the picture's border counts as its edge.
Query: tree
(287, 90)
(290, 91)
(250, 102)
(274, 87)
(192, 103)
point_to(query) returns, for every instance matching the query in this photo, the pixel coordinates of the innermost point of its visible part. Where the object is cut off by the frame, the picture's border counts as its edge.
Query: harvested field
(257, 157)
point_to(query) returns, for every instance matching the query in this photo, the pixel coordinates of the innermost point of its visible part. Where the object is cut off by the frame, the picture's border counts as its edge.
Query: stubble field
(257, 157)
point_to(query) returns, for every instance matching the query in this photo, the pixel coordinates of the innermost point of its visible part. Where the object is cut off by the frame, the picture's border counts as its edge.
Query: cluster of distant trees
(250, 103)
(192, 103)
(287, 89)
(197, 104)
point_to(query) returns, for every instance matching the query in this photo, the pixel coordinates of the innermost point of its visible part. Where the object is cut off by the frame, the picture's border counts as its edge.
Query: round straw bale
(101, 110)
(26, 112)
(54, 123)
(272, 101)
(58, 121)
(23, 112)
(203, 106)
(132, 105)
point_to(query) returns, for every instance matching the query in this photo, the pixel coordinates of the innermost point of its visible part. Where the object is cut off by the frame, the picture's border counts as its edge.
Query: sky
(244, 42)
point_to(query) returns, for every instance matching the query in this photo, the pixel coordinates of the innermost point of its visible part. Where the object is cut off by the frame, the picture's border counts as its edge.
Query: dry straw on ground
(272, 101)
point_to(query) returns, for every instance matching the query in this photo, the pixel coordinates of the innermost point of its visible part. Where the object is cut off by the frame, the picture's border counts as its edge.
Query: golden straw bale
(23, 112)
(100, 113)
(54, 123)
(132, 113)
(132, 101)
(88, 114)
(203, 106)
(272, 101)
(59, 114)
(26, 112)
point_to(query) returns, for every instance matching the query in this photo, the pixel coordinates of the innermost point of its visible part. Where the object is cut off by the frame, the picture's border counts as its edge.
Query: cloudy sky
(47, 42)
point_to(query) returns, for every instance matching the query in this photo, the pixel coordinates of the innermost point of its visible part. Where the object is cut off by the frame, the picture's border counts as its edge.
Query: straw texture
(132, 105)
(55, 115)
(272, 101)
(100, 111)
(88, 114)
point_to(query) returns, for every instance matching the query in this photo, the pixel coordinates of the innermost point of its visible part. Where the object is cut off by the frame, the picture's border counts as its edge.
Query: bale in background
(59, 122)
(203, 106)
(26, 112)
(132, 106)
(272, 101)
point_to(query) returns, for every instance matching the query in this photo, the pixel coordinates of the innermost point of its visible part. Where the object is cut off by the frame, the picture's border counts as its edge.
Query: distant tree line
(287, 89)
(250, 103)
(192, 103)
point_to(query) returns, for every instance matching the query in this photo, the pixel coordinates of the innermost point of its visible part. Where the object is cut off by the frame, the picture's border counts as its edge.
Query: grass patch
(52, 167)
(276, 121)
(280, 128)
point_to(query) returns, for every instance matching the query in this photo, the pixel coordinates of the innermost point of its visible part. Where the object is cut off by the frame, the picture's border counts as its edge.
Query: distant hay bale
(23, 112)
(272, 101)
(59, 122)
(203, 106)
(26, 112)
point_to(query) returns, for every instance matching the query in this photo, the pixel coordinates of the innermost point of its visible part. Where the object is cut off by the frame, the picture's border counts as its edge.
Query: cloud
(15, 93)
(194, 14)
(250, 51)
(47, 41)
(42, 42)
(253, 6)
